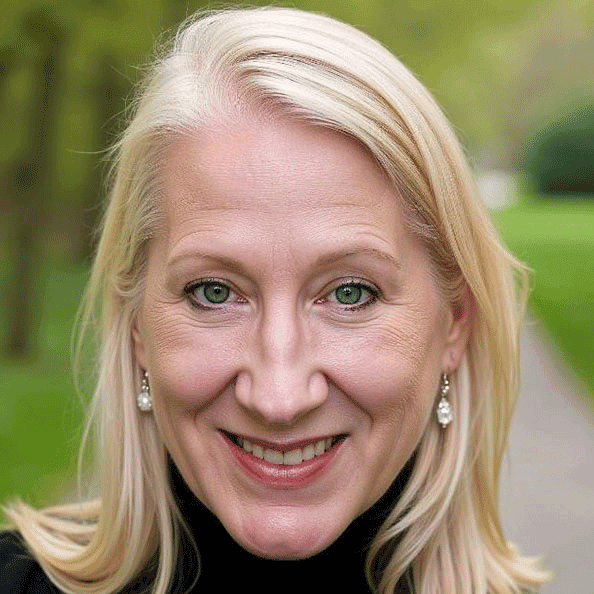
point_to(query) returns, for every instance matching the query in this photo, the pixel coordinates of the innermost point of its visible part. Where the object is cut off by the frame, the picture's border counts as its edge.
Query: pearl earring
(445, 413)
(144, 400)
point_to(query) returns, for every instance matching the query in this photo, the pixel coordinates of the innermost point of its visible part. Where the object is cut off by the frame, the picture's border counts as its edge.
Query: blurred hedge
(560, 156)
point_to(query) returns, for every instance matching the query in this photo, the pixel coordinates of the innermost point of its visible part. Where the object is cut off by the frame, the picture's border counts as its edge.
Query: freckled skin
(283, 213)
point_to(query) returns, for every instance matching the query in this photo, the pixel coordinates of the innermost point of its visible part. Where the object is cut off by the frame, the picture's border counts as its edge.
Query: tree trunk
(30, 186)
(110, 91)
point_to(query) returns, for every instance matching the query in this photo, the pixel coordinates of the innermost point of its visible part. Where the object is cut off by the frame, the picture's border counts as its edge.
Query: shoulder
(19, 572)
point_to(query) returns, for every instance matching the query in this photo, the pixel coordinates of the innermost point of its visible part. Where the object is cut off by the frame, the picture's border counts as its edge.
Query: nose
(281, 382)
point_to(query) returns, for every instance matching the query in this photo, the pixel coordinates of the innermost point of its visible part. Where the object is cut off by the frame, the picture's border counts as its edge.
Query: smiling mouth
(283, 457)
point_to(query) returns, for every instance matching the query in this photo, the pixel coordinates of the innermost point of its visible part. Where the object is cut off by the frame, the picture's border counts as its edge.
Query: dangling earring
(445, 413)
(144, 399)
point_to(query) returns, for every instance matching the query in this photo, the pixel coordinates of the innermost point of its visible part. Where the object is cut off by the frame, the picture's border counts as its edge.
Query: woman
(308, 334)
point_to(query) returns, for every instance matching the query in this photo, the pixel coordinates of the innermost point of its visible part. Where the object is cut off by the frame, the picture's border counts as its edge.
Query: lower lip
(282, 476)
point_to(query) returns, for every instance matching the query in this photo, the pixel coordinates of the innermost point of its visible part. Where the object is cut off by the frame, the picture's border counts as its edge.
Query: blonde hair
(445, 529)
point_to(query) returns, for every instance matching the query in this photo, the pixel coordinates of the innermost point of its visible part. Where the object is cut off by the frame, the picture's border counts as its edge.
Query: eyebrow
(358, 251)
(228, 263)
(323, 261)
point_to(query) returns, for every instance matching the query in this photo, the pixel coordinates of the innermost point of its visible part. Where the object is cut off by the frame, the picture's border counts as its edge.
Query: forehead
(278, 176)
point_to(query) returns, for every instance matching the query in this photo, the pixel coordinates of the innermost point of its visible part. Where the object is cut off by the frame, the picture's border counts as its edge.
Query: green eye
(348, 294)
(354, 296)
(208, 293)
(216, 293)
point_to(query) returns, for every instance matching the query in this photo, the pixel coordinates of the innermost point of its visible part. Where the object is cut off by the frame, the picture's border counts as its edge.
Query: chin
(284, 551)
(286, 544)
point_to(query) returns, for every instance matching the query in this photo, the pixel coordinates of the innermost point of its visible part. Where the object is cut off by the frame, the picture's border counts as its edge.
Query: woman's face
(292, 330)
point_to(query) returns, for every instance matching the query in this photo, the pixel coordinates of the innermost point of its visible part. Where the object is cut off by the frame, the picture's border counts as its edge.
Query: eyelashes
(352, 295)
(214, 294)
(209, 294)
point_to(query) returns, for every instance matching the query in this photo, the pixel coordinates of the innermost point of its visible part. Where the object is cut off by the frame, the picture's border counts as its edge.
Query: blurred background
(516, 78)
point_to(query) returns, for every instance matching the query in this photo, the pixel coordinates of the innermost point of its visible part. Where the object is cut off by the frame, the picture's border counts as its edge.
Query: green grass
(555, 237)
(41, 413)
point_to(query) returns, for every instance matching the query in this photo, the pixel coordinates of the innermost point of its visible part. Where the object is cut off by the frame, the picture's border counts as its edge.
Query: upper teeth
(291, 458)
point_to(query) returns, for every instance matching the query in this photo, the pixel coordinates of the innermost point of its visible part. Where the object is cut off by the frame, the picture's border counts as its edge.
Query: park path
(547, 495)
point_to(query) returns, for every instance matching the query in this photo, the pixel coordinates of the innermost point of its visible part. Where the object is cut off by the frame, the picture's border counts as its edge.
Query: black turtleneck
(227, 567)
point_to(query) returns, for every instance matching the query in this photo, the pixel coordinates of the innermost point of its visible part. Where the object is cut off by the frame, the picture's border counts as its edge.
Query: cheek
(391, 368)
(189, 364)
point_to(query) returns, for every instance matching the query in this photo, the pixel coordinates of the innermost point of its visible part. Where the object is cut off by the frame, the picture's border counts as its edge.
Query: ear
(137, 337)
(460, 323)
